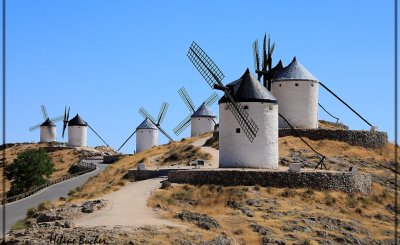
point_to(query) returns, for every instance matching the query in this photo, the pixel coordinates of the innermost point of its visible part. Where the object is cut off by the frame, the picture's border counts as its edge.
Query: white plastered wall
(146, 139)
(298, 104)
(45, 135)
(77, 136)
(201, 125)
(235, 149)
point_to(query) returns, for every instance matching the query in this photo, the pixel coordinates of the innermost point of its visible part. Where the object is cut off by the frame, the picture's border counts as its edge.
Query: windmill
(47, 128)
(202, 118)
(242, 144)
(213, 76)
(266, 67)
(160, 118)
(77, 130)
(153, 126)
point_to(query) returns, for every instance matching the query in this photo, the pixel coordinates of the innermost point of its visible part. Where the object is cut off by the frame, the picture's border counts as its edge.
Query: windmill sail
(213, 75)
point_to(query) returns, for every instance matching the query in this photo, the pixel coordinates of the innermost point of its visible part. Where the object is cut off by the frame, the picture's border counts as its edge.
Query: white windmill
(202, 120)
(297, 92)
(48, 127)
(248, 131)
(147, 131)
(77, 130)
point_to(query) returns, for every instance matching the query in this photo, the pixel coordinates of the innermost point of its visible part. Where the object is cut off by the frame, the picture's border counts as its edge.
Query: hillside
(211, 214)
(63, 157)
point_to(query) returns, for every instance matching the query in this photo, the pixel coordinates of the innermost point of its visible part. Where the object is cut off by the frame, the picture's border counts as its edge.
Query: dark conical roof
(248, 89)
(48, 123)
(294, 71)
(146, 124)
(77, 121)
(203, 111)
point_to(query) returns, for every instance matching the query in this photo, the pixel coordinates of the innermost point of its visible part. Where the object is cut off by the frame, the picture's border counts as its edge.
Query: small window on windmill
(149, 131)
(209, 119)
(296, 85)
(198, 119)
(246, 107)
(271, 107)
(226, 107)
(238, 130)
(312, 84)
(280, 85)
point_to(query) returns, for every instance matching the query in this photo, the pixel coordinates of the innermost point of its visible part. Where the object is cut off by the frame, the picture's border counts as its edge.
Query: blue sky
(106, 59)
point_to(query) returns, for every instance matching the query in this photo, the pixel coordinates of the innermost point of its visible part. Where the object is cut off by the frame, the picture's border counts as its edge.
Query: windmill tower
(147, 131)
(146, 135)
(297, 92)
(77, 130)
(48, 127)
(202, 120)
(248, 132)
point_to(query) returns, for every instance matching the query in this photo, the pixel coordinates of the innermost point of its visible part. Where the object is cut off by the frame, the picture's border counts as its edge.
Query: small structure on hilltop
(48, 127)
(146, 135)
(201, 120)
(248, 128)
(297, 92)
(147, 131)
(77, 130)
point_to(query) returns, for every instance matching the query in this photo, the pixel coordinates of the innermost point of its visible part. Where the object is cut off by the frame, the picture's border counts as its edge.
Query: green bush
(28, 170)
(351, 201)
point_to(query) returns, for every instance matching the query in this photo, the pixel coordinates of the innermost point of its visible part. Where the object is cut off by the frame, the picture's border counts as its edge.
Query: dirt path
(128, 207)
(214, 162)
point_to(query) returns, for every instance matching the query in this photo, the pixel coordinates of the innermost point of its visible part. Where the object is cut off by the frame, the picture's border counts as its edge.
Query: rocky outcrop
(201, 220)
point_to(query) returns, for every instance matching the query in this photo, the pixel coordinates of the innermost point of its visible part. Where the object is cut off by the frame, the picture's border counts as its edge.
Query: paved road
(17, 210)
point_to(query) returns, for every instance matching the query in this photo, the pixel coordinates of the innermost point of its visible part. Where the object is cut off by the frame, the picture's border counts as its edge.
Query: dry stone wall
(318, 180)
(367, 139)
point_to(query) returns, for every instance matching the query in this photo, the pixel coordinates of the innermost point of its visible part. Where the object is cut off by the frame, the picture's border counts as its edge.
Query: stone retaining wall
(367, 139)
(112, 158)
(318, 180)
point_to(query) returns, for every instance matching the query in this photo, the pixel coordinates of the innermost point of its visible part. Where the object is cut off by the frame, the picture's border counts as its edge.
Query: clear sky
(106, 59)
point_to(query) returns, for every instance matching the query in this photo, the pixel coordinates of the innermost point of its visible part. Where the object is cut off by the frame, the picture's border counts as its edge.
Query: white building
(77, 132)
(235, 149)
(297, 92)
(202, 120)
(48, 131)
(146, 135)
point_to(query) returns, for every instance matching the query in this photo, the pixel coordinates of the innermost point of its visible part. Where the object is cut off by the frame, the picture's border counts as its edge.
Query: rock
(254, 202)
(201, 220)
(259, 229)
(220, 240)
(237, 205)
(267, 240)
(69, 224)
(91, 206)
(58, 224)
(47, 216)
(165, 185)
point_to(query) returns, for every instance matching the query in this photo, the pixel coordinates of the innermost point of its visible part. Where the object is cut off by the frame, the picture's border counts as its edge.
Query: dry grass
(286, 209)
(62, 159)
(332, 148)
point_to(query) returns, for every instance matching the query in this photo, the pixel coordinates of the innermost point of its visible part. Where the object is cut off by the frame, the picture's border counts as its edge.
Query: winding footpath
(17, 210)
(128, 207)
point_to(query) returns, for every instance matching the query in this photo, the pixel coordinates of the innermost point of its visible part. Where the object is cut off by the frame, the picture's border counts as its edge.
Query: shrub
(28, 170)
(45, 205)
(329, 199)
(307, 195)
(30, 212)
(359, 210)
(257, 188)
(288, 193)
(351, 201)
